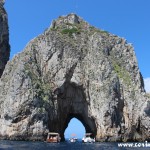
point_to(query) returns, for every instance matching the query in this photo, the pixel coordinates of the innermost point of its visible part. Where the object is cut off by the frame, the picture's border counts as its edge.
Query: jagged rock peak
(66, 20)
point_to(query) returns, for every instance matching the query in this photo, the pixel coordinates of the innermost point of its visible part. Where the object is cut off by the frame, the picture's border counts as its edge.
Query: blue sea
(22, 145)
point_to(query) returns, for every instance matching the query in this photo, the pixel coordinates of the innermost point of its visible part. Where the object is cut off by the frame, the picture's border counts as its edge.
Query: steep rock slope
(4, 38)
(74, 70)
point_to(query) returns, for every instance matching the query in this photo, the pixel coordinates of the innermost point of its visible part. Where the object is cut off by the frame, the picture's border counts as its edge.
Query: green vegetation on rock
(42, 89)
(70, 31)
(122, 73)
(93, 29)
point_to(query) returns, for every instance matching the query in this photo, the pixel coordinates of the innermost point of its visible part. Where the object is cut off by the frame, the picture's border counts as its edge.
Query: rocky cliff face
(4, 38)
(74, 70)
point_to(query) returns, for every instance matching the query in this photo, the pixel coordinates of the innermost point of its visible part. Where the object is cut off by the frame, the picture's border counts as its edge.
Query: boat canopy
(53, 133)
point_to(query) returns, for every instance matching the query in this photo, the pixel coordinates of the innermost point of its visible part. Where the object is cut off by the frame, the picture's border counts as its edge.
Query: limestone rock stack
(74, 70)
(4, 38)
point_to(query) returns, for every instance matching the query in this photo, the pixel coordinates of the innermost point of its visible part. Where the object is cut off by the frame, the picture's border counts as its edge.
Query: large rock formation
(4, 38)
(74, 70)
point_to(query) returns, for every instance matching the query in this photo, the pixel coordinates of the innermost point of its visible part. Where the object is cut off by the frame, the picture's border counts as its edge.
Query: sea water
(22, 145)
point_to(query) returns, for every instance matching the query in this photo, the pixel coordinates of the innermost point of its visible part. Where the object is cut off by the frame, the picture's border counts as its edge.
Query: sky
(126, 18)
(75, 129)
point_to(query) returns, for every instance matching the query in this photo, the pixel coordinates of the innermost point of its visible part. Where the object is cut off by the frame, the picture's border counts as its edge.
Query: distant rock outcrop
(74, 70)
(4, 38)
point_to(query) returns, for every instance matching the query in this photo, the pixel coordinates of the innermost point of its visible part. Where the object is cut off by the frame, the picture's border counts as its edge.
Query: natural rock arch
(74, 70)
(72, 104)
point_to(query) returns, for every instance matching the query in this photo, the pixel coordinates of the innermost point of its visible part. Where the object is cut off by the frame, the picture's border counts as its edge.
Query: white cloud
(147, 84)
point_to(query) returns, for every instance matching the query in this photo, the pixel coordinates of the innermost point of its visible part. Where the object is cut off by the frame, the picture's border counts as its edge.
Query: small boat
(88, 138)
(73, 138)
(53, 137)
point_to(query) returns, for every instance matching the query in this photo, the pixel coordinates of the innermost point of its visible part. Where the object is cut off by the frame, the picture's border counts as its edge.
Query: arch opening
(89, 125)
(75, 129)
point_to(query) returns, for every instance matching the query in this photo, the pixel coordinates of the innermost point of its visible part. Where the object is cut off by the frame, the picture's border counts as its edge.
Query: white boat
(88, 138)
(73, 139)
